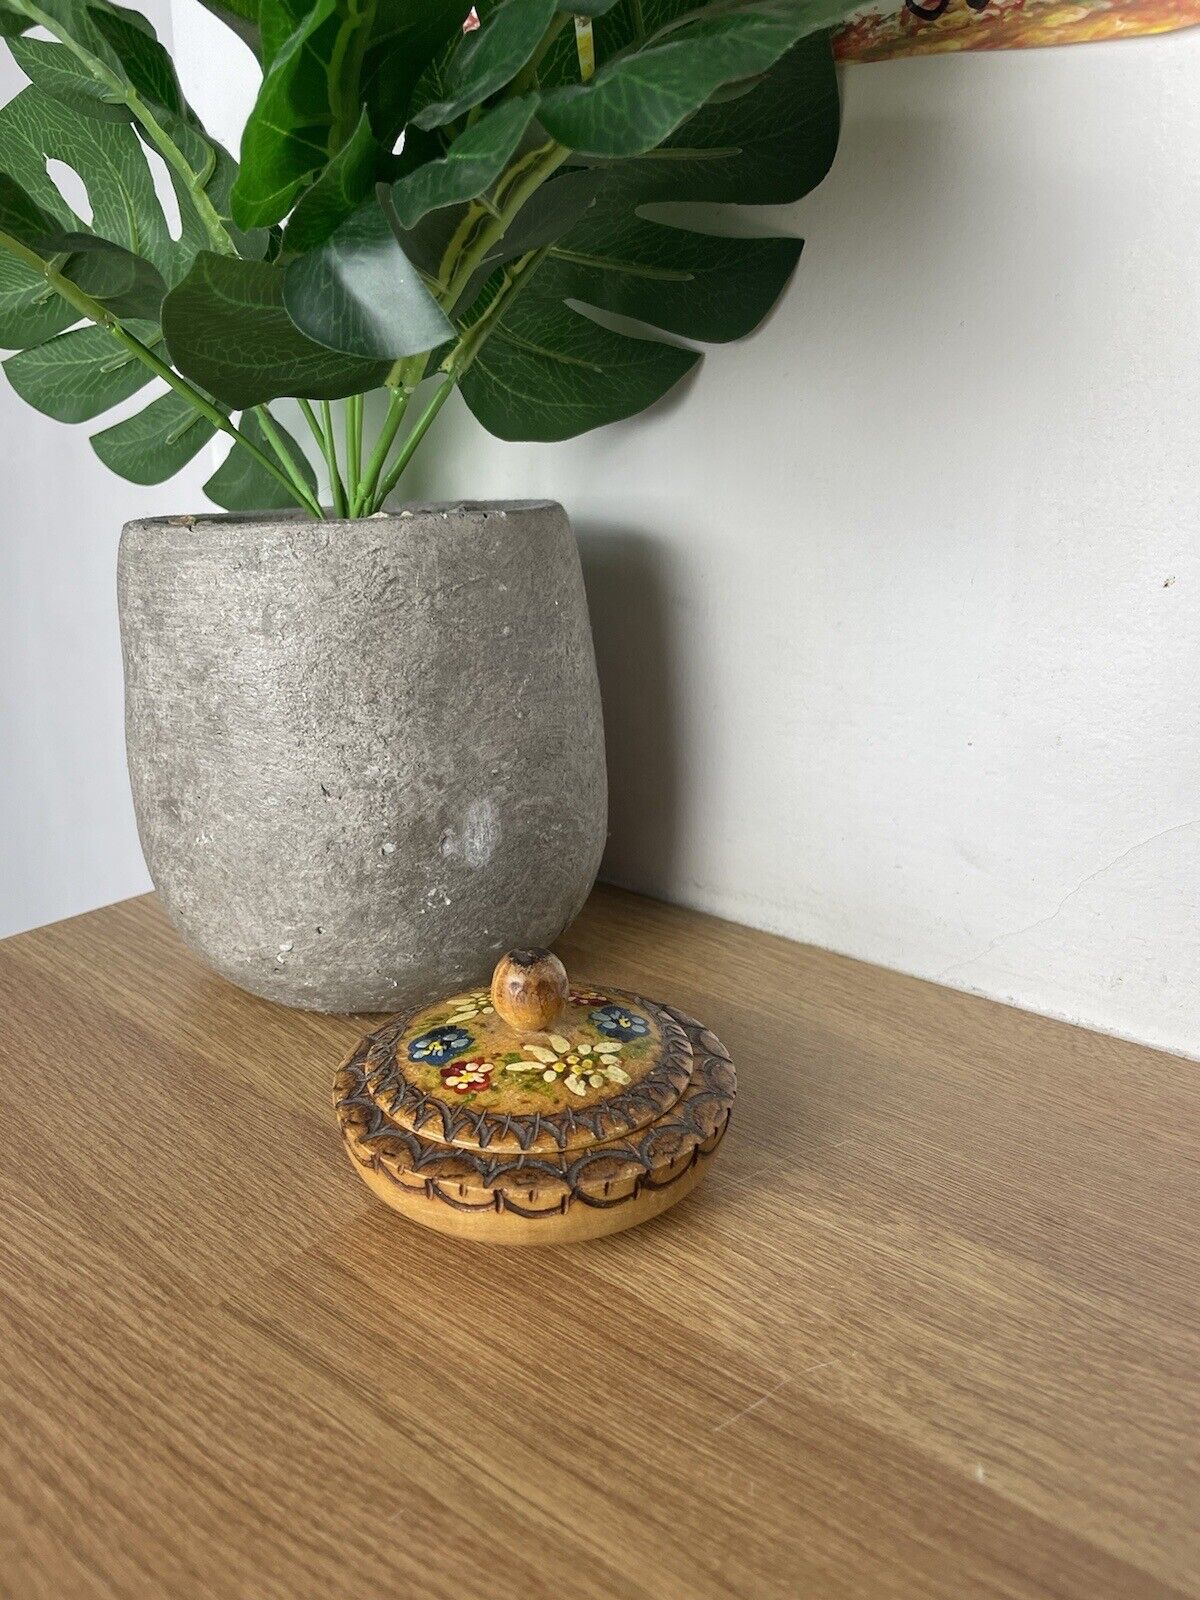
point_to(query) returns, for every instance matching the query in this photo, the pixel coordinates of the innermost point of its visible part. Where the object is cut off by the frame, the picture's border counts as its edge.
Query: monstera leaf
(471, 164)
(488, 60)
(77, 375)
(769, 146)
(12, 23)
(548, 370)
(338, 191)
(126, 258)
(361, 292)
(153, 445)
(360, 295)
(108, 159)
(405, 36)
(122, 261)
(228, 331)
(414, 195)
(306, 110)
(311, 103)
(548, 373)
(636, 101)
(240, 482)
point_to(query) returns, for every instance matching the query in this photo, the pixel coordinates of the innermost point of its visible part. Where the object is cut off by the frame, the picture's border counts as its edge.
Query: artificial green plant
(419, 206)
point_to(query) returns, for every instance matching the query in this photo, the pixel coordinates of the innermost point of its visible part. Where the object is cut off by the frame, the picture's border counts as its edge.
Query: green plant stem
(193, 181)
(314, 427)
(639, 21)
(366, 501)
(155, 132)
(408, 448)
(277, 442)
(324, 441)
(516, 185)
(460, 358)
(484, 227)
(336, 487)
(476, 336)
(354, 439)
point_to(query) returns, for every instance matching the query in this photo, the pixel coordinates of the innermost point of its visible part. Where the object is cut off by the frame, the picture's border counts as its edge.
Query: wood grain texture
(928, 1328)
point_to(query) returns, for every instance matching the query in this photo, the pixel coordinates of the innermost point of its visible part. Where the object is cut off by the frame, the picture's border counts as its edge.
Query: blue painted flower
(618, 1023)
(439, 1044)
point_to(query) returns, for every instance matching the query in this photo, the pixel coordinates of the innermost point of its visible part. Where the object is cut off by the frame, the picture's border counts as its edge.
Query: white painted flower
(476, 1004)
(580, 1066)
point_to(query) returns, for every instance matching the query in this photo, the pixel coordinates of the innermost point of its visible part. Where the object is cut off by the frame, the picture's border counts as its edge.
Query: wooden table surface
(927, 1329)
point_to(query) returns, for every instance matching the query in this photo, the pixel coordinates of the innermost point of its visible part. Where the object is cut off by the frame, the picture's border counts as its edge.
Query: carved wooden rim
(606, 1174)
(641, 1104)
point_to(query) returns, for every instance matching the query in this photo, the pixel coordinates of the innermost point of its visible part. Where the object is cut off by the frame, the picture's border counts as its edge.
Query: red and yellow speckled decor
(883, 31)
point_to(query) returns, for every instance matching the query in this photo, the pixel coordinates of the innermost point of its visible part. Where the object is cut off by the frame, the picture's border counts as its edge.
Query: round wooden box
(535, 1112)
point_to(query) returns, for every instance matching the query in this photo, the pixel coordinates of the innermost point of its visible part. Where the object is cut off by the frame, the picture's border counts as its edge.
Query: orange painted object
(884, 32)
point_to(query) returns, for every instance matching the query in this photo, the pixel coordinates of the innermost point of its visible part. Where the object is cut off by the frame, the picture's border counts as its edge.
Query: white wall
(895, 603)
(67, 840)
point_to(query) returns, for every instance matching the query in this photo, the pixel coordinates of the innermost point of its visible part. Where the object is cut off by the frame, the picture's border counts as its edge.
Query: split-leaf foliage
(418, 206)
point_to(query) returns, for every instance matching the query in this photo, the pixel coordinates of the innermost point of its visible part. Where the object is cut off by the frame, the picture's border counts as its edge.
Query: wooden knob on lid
(529, 989)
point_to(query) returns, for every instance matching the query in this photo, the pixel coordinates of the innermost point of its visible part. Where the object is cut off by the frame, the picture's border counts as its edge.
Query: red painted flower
(588, 997)
(464, 1077)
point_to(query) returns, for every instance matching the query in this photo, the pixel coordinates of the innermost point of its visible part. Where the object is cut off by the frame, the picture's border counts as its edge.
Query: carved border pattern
(636, 1107)
(476, 1180)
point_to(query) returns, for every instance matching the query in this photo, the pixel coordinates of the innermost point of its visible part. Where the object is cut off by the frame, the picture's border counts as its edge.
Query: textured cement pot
(366, 756)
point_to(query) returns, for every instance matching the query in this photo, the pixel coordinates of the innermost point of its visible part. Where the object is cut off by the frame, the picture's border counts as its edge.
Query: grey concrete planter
(367, 756)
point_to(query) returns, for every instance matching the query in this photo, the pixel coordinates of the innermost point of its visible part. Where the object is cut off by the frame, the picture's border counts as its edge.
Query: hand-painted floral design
(588, 997)
(618, 1023)
(476, 1004)
(580, 1066)
(439, 1045)
(466, 1077)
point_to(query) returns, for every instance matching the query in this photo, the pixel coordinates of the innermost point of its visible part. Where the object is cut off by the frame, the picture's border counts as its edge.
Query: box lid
(607, 1064)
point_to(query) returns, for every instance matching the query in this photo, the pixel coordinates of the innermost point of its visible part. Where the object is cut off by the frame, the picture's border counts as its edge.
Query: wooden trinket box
(536, 1112)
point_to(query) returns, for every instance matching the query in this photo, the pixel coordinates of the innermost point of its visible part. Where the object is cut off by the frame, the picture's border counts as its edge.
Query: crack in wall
(1041, 922)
